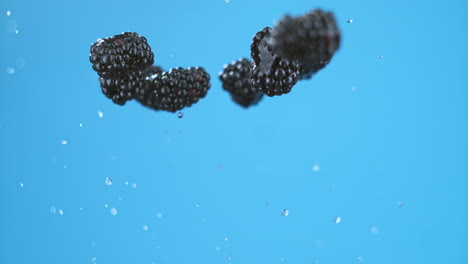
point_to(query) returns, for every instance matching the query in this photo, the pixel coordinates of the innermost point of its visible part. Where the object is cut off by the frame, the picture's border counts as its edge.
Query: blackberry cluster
(271, 73)
(123, 88)
(311, 40)
(236, 80)
(113, 56)
(173, 90)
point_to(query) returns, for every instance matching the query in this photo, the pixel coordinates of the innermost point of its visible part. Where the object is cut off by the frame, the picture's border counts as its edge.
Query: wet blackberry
(310, 39)
(236, 80)
(271, 73)
(173, 90)
(120, 54)
(122, 89)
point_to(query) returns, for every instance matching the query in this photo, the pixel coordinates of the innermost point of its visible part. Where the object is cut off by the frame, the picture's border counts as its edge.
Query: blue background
(398, 136)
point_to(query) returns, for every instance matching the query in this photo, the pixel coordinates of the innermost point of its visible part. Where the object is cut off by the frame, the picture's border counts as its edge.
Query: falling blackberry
(236, 80)
(115, 56)
(271, 73)
(122, 89)
(173, 90)
(310, 39)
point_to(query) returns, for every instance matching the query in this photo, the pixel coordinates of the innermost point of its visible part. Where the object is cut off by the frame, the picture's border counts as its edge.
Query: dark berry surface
(235, 78)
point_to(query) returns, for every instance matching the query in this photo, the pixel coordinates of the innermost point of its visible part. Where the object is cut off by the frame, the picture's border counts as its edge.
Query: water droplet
(65, 166)
(282, 259)
(81, 125)
(284, 212)
(120, 198)
(105, 205)
(126, 182)
(60, 212)
(171, 55)
(374, 230)
(93, 259)
(349, 21)
(134, 185)
(380, 57)
(316, 167)
(337, 219)
(400, 204)
(21, 185)
(100, 113)
(180, 114)
(81, 208)
(227, 1)
(360, 259)
(53, 210)
(228, 256)
(63, 142)
(197, 205)
(16, 31)
(226, 239)
(113, 211)
(10, 70)
(108, 181)
(159, 215)
(353, 88)
(145, 228)
(8, 13)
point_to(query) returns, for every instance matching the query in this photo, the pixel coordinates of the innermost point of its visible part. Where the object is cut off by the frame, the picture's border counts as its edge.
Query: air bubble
(8, 13)
(113, 211)
(159, 215)
(380, 57)
(400, 204)
(10, 70)
(316, 167)
(349, 21)
(81, 125)
(100, 113)
(60, 212)
(63, 142)
(337, 219)
(21, 185)
(374, 230)
(52, 210)
(228, 256)
(145, 228)
(108, 181)
(180, 114)
(284, 212)
(226, 239)
(134, 185)
(227, 1)
(360, 259)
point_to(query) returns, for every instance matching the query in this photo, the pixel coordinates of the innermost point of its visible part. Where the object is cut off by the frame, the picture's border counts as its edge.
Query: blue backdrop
(369, 157)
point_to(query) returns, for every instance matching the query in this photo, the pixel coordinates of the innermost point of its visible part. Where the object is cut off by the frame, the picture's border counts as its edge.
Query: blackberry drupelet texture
(236, 80)
(115, 56)
(310, 39)
(271, 73)
(173, 90)
(122, 89)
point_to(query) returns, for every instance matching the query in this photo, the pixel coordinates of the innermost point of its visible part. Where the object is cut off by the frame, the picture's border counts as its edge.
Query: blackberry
(310, 39)
(120, 54)
(236, 80)
(122, 89)
(173, 90)
(271, 73)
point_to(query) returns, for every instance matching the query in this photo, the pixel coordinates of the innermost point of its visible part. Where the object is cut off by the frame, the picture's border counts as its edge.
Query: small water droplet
(60, 212)
(126, 182)
(134, 185)
(16, 31)
(65, 166)
(53, 210)
(108, 181)
(113, 211)
(374, 230)
(228, 256)
(21, 185)
(145, 228)
(281, 259)
(226, 239)
(337, 219)
(171, 55)
(8, 13)
(316, 167)
(197, 205)
(284, 212)
(93, 259)
(180, 114)
(10, 70)
(63, 142)
(105, 205)
(349, 21)
(360, 259)
(100, 113)
(81, 125)
(353, 88)
(159, 215)
(380, 57)
(81, 208)
(400, 204)
(227, 1)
